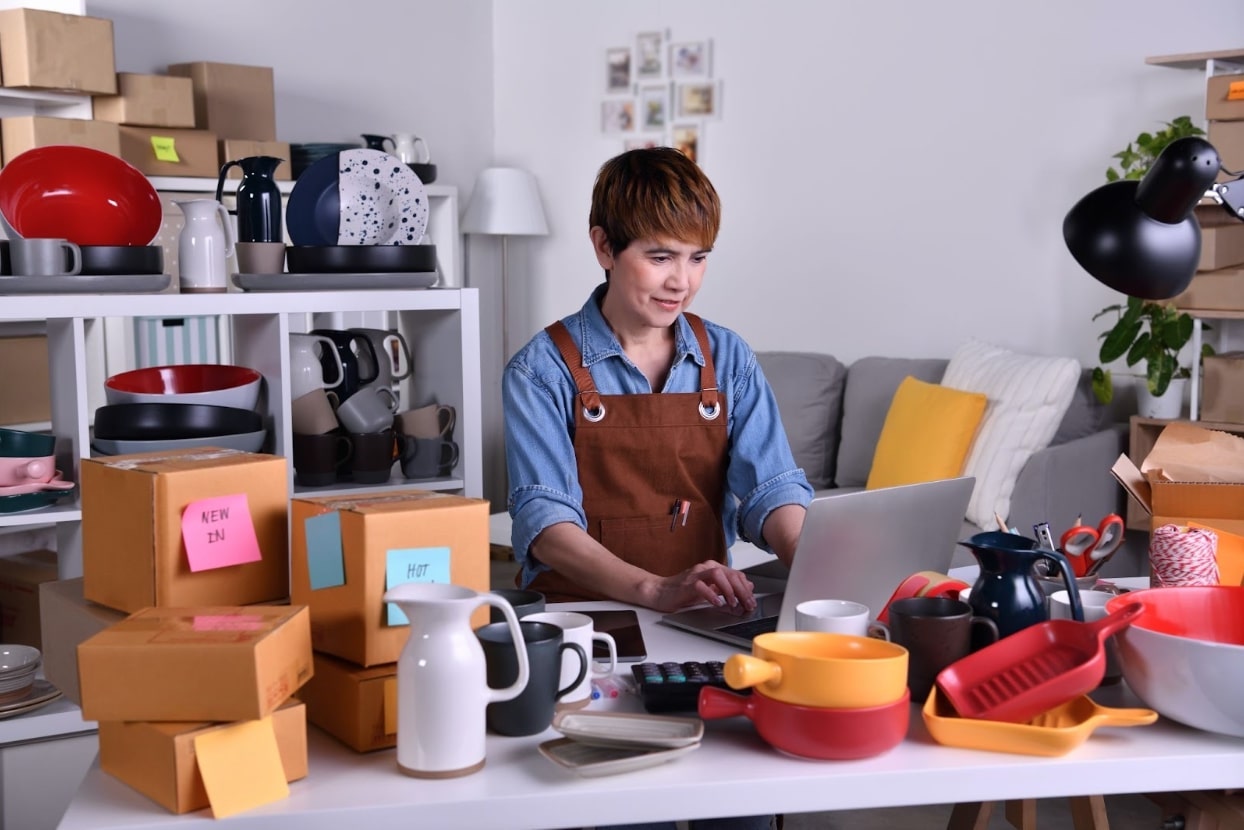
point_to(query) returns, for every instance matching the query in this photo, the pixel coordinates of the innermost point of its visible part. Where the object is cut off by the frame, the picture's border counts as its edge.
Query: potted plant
(1155, 333)
(1139, 155)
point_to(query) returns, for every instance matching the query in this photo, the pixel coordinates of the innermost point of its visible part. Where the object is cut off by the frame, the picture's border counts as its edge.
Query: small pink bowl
(16, 471)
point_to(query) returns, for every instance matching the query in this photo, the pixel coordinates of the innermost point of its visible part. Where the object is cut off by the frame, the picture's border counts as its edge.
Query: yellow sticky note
(165, 148)
(241, 767)
(390, 706)
(1235, 92)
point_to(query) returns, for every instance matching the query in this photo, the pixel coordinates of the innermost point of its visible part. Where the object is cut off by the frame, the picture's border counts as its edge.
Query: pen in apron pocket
(674, 511)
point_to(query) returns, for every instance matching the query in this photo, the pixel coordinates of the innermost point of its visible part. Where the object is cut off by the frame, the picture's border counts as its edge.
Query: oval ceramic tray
(629, 730)
(86, 284)
(334, 282)
(590, 761)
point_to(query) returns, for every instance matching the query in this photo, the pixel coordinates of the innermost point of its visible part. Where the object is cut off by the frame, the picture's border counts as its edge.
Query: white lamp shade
(505, 202)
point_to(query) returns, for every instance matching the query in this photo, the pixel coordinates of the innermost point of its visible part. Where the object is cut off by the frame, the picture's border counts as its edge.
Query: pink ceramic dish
(86, 196)
(16, 471)
(202, 383)
(1184, 656)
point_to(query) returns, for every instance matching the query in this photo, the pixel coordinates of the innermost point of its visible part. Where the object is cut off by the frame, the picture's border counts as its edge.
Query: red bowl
(814, 732)
(202, 383)
(83, 195)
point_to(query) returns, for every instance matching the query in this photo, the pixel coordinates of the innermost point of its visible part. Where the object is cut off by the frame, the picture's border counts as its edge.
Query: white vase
(1169, 406)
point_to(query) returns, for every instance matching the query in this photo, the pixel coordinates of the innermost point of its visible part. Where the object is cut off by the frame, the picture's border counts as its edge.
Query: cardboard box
(26, 396)
(1217, 105)
(443, 538)
(26, 132)
(48, 50)
(1228, 139)
(67, 618)
(20, 578)
(196, 151)
(1222, 388)
(133, 552)
(232, 149)
(1221, 290)
(204, 663)
(349, 702)
(232, 100)
(1222, 238)
(148, 100)
(158, 759)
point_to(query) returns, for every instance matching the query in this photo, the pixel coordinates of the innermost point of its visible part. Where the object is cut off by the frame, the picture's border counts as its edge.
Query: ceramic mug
(532, 711)
(936, 631)
(318, 458)
(260, 257)
(524, 601)
(838, 616)
(426, 457)
(371, 459)
(45, 257)
(579, 628)
(312, 413)
(306, 369)
(392, 352)
(370, 409)
(357, 358)
(1094, 605)
(428, 421)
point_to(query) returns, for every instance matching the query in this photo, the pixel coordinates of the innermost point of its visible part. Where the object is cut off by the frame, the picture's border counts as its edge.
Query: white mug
(838, 616)
(305, 370)
(578, 628)
(406, 148)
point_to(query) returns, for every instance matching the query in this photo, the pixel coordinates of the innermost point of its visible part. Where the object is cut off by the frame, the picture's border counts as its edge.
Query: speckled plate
(382, 200)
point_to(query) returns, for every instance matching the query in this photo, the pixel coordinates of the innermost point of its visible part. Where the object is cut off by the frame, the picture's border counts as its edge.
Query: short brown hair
(654, 193)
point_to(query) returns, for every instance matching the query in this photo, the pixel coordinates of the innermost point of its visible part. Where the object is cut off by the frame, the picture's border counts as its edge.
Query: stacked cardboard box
(346, 552)
(20, 578)
(156, 131)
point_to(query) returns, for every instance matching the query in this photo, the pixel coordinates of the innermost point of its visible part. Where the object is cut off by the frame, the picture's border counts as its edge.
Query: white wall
(894, 174)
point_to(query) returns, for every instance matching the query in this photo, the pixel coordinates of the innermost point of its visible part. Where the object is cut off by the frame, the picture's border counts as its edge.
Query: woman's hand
(710, 582)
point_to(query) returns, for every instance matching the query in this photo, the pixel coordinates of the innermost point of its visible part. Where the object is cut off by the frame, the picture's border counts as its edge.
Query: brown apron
(639, 454)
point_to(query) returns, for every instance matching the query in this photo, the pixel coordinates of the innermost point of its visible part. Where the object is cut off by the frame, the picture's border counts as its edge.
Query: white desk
(732, 773)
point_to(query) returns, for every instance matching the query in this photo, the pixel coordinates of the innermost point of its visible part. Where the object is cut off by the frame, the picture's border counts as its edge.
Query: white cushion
(1028, 396)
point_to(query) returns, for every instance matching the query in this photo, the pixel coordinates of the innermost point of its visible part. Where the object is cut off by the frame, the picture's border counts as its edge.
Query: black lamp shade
(1140, 238)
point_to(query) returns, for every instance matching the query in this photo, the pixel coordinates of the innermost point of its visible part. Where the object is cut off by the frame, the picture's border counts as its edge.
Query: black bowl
(166, 421)
(360, 259)
(426, 171)
(122, 259)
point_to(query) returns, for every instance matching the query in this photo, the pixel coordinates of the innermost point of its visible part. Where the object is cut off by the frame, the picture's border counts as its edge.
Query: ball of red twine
(1183, 556)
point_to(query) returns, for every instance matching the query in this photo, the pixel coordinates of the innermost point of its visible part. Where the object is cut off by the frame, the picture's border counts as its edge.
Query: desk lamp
(1140, 237)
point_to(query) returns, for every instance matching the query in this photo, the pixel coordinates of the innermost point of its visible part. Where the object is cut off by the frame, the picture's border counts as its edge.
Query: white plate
(590, 761)
(628, 730)
(334, 282)
(382, 200)
(41, 694)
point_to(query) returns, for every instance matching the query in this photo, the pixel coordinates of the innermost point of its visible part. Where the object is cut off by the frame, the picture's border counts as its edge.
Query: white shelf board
(395, 483)
(195, 184)
(59, 718)
(43, 96)
(47, 516)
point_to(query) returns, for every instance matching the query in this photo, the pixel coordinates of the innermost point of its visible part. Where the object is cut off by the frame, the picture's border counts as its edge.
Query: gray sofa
(833, 416)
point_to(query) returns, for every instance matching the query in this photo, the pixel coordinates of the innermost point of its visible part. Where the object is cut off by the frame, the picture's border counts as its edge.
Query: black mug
(317, 458)
(359, 365)
(532, 711)
(936, 631)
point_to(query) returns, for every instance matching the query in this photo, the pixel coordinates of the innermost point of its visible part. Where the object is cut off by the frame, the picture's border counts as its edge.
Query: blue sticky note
(404, 565)
(325, 560)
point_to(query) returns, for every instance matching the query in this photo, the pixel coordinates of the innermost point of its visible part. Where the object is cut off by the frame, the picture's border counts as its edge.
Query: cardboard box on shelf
(148, 101)
(353, 704)
(26, 132)
(196, 663)
(347, 550)
(67, 618)
(26, 396)
(181, 153)
(232, 149)
(20, 577)
(1222, 238)
(1222, 387)
(1220, 107)
(49, 50)
(159, 760)
(139, 511)
(232, 100)
(1228, 139)
(1221, 290)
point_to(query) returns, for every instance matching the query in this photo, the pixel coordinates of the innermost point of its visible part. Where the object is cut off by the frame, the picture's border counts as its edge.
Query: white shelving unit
(441, 326)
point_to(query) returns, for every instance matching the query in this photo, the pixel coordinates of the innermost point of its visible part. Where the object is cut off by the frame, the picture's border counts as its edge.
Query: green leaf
(1159, 374)
(1118, 340)
(1103, 386)
(1144, 139)
(1139, 349)
(1111, 176)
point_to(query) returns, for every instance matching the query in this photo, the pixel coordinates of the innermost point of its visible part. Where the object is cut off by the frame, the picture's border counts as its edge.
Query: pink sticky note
(218, 532)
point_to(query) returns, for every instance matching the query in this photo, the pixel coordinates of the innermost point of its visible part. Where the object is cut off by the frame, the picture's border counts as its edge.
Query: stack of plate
(303, 156)
(18, 665)
(606, 743)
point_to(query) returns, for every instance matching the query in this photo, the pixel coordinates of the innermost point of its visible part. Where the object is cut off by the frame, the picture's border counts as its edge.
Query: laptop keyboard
(751, 628)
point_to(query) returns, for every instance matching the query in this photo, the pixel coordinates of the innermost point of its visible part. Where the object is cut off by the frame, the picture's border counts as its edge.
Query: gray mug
(426, 457)
(532, 711)
(45, 257)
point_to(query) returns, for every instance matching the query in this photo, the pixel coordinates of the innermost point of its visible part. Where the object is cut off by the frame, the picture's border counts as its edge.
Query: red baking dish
(1033, 670)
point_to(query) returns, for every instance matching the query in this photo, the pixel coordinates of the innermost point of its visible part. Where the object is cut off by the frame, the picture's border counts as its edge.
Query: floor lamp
(505, 203)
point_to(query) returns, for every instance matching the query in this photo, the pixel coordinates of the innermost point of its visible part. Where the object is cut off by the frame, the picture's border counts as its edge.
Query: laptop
(858, 546)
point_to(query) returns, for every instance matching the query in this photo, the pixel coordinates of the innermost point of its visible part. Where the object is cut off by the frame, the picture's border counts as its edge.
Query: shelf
(397, 482)
(58, 719)
(1213, 313)
(1197, 60)
(45, 516)
(197, 184)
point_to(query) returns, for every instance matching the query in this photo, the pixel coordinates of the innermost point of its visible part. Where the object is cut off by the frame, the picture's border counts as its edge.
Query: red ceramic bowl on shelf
(83, 195)
(203, 383)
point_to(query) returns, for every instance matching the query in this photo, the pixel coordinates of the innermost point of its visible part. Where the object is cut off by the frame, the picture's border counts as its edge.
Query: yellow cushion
(927, 434)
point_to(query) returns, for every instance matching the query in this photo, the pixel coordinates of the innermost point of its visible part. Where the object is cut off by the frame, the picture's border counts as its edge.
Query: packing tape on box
(354, 502)
(133, 463)
(1183, 556)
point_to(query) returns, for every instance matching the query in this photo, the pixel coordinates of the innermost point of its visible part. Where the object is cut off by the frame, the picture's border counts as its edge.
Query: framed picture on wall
(617, 115)
(648, 63)
(687, 140)
(618, 68)
(644, 142)
(654, 107)
(698, 100)
(691, 59)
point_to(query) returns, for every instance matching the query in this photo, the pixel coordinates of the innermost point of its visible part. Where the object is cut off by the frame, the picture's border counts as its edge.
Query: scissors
(1088, 548)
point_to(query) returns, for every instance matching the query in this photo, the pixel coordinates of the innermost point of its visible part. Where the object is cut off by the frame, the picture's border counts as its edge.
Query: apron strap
(593, 409)
(709, 408)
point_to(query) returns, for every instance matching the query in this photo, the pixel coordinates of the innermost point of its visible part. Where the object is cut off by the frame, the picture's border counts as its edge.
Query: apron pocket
(663, 546)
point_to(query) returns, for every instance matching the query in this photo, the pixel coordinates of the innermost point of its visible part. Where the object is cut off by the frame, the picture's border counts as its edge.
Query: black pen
(674, 517)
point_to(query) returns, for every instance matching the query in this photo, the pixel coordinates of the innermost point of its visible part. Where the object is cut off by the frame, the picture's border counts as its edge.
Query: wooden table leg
(973, 815)
(1088, 812)
(1022, 814)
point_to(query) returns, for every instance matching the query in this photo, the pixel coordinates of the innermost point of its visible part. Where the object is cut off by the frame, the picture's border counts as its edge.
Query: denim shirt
(539, 401)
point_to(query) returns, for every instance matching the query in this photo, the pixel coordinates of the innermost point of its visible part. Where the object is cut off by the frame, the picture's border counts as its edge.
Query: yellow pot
(815, 668)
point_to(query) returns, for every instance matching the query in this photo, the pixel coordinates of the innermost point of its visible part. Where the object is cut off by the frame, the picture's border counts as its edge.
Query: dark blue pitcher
(259, 199)
(1007, 591)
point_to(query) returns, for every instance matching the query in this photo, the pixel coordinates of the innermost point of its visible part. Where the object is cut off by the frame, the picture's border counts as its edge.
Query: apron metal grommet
(596, 414)
(709, 414)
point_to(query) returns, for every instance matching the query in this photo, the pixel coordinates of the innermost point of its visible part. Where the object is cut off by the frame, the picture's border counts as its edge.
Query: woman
(640, 439)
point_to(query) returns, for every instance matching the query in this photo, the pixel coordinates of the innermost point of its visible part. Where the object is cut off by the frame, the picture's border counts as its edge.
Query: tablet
(623, 626)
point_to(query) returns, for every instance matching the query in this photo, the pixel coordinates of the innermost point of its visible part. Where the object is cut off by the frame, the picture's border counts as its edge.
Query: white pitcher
(204, 246)
(406, 147)
(442, 686)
